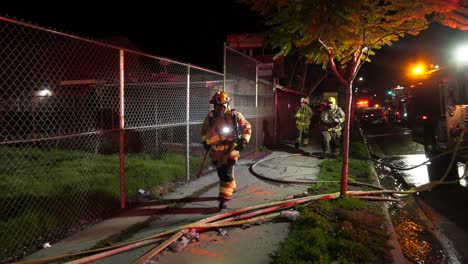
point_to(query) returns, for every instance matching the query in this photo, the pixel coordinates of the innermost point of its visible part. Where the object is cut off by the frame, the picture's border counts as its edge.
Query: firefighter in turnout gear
(331, 120)
(225, 133)
(303, 117)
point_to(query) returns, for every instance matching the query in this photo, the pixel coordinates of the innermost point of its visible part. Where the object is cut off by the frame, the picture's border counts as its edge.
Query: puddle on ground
(410, 178)
(417, 243)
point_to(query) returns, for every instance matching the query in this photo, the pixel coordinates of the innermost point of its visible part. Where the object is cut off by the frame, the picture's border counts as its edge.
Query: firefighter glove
(206, 146)
(241, 145)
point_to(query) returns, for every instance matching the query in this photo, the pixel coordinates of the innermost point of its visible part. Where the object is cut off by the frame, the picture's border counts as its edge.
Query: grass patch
(32, 172)
(45, 193)
(338, 231)
(262, 148)
(357, 148)
(358, 170)
(345, 230)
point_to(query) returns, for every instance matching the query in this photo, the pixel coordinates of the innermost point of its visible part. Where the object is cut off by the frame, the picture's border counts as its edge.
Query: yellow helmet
(331, 100)
(220, 97)
(305, 100)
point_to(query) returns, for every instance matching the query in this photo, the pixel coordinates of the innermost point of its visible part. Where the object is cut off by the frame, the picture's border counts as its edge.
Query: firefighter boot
(296, 145)
(222, 205)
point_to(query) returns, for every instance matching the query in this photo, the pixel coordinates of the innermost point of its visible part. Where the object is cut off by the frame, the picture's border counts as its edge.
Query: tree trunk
(347, 125)
(348, 82)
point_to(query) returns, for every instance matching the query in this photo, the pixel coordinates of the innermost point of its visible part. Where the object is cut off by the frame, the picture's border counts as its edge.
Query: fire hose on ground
(232, 218)
(242, 216)
(433, 184)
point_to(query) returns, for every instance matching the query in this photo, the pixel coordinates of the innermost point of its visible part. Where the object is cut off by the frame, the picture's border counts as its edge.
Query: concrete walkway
(251, 244)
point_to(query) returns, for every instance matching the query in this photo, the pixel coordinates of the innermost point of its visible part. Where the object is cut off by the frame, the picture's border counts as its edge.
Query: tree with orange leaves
(342, 34)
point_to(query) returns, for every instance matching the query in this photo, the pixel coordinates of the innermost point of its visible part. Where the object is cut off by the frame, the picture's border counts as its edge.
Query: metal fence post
(122, 131)
(256, 106)
(224, 67)
(187, 144)
(275, 127)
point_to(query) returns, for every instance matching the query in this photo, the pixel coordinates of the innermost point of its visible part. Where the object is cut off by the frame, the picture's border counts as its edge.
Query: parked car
(373, 116)
(394, 116)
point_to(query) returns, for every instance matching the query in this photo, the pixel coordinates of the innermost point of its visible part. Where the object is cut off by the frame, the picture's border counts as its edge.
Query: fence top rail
(25, 24)
(205, 69)
(291, 91)
(242, 54)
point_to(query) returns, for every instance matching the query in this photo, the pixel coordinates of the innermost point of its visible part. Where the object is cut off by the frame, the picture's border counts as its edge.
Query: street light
(361, 79)
(44, 92)
(461, 54)
(418, 70)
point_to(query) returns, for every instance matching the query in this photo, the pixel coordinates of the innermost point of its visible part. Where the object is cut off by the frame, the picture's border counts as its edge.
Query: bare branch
(360, 65)
(329, 49)
(335, 70)
(356, 63)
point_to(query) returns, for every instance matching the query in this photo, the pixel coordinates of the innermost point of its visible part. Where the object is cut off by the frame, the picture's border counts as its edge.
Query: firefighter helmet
(331, 100)
(305, 100)
(220, 97)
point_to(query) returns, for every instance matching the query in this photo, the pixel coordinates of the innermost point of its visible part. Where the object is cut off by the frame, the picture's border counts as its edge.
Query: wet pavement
(431, 226)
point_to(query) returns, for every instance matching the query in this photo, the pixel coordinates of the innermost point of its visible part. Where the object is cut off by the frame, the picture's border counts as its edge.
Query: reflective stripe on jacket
(303, 115)
(328, 117)
(220, 130)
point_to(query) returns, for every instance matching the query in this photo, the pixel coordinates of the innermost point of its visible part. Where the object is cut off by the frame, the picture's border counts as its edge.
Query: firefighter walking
(331, 120)
(303, 117)
(225, 133)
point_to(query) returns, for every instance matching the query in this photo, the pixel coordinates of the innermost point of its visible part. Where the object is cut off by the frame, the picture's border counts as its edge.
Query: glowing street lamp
(461, 54)
(44, 92)
(418, 70)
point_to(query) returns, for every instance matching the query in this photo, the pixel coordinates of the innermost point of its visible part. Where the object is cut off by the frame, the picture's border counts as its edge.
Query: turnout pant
(302, 134)
(225, 161)
(331, 141)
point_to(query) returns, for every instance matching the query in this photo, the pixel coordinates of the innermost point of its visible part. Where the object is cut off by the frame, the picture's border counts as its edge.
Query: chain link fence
(252, 96)
(87, 127)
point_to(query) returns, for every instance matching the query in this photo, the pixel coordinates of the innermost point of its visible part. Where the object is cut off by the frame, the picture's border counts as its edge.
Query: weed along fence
(85, 126)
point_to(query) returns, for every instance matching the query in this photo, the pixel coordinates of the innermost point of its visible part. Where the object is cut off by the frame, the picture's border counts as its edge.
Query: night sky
(194, 32)
(390, 66)
(186, 31)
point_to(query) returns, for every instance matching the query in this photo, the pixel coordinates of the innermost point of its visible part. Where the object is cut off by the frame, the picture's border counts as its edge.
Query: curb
(396, 252)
